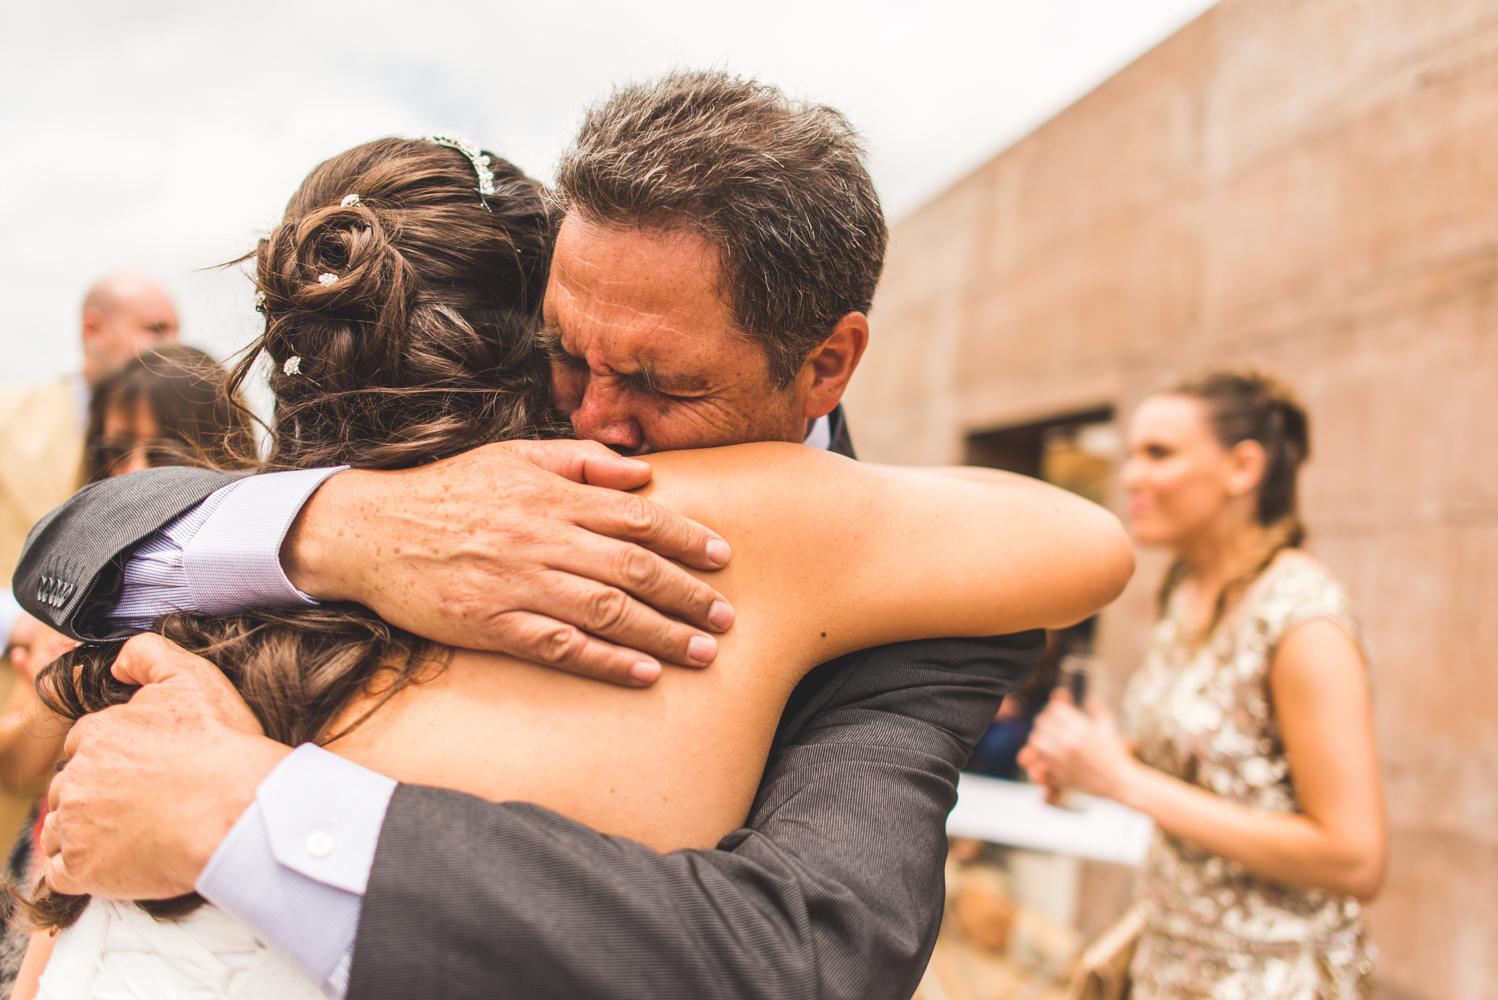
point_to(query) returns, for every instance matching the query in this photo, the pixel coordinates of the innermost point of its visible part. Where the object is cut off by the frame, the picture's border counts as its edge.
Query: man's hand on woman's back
(512, 547)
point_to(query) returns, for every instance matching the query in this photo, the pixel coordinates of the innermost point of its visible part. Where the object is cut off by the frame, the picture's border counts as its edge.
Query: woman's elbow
(1109, 564)
(1366, 880)
(1099, 568)
(1119, 561)
(1360, 873)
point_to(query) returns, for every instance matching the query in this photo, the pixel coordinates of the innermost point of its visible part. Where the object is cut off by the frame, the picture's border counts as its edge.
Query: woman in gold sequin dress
(1251, 728)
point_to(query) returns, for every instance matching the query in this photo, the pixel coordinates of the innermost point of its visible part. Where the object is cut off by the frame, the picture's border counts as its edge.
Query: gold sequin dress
(1203, 714)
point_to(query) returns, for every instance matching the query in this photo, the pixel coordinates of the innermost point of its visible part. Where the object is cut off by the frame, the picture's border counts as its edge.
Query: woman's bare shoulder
(746, 483)
(766, 457)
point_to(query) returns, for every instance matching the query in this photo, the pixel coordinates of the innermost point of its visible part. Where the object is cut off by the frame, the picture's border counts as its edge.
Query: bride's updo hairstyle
(401, 307)
(401, 295)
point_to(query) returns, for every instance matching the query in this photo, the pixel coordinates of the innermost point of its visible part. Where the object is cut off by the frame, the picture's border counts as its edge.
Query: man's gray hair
(778, 186)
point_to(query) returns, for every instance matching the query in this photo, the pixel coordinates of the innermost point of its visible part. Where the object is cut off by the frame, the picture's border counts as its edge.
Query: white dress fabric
(117, 951)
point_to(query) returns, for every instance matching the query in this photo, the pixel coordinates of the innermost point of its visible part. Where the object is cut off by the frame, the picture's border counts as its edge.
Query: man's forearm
(70, 571)
(121, 553)
(514, 901)
(295, 866)
(835, 890)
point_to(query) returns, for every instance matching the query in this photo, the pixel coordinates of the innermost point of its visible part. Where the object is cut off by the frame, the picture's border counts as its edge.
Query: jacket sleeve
(70, 571)
(833, 890)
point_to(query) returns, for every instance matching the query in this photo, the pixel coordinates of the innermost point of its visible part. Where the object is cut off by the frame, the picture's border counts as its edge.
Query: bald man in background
(41, 437)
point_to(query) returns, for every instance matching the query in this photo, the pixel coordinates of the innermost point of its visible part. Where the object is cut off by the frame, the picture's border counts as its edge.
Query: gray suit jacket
(834, 888)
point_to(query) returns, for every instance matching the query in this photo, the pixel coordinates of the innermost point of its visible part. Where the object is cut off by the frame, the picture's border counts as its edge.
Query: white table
(1014, 813)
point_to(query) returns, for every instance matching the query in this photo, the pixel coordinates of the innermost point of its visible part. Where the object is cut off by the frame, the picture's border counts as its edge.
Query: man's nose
(604, 416)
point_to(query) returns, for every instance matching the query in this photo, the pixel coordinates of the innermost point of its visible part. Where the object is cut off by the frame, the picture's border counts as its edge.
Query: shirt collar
(820, 435)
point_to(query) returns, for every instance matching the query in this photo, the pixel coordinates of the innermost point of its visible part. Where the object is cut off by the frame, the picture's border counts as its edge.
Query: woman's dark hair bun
(411, 310)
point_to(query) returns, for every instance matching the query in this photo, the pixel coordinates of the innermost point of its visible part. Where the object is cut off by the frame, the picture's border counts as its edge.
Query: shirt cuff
(10, 613)
(295, 866)
(233, 562)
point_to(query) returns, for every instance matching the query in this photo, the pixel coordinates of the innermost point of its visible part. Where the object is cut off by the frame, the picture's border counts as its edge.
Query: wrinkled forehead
(623, 293)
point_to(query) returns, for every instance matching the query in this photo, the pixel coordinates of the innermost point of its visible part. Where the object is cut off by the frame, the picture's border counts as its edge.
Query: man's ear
(831, 363)
(93, 322)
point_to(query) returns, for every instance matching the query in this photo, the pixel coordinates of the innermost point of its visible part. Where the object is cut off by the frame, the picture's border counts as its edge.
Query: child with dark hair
(167, 407)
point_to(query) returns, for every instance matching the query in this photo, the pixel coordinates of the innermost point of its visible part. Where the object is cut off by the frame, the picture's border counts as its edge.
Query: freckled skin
(648, 355)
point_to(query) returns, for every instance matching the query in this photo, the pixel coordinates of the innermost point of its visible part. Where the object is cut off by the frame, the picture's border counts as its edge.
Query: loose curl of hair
(1252, 406)
(296, 670)
(422, 346)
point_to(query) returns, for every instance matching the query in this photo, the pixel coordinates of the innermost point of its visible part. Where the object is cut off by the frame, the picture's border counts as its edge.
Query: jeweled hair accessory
(293, 365)
(327, 278)
(479, 159)
(348, 200)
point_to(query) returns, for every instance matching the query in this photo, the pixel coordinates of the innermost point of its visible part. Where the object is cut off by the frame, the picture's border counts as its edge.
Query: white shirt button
(319, 843)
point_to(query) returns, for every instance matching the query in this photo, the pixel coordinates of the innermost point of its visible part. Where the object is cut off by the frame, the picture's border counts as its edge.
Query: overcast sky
(165, 136)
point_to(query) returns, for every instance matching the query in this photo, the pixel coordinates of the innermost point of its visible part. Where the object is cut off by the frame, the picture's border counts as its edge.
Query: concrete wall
(1312, 186)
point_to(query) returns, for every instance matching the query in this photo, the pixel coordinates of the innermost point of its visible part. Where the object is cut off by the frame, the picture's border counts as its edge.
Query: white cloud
(163, 136)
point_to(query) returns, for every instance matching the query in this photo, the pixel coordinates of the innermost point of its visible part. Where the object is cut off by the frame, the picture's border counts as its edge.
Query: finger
(642, 574)
(51, 834)
(1045, 743)
(635, 519)
(545, 640)
(59, 879)
(611, 615)
(149, 658)
(78, 733)
(586, 462)
(1063, 713)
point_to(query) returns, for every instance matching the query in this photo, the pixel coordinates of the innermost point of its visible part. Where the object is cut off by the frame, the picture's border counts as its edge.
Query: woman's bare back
(672, 766)
(829, 557)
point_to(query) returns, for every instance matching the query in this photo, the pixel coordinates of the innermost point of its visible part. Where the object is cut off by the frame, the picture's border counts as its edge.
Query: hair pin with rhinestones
(293, 365)
(348, 201)
(477, 157)
(327, 278)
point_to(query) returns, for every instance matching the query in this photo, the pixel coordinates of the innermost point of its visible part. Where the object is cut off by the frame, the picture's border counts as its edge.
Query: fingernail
(645, 672)
(718, 551)
(720, 614)
(702, 649)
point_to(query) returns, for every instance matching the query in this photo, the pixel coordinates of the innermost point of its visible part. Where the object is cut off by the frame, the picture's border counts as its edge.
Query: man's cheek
(568, 387)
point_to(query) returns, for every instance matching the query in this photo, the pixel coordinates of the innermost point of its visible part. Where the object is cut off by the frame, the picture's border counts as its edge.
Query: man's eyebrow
(646, 378)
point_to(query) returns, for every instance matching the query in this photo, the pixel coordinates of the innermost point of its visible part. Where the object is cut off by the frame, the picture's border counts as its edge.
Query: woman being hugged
(1254, 881)
(402, 307)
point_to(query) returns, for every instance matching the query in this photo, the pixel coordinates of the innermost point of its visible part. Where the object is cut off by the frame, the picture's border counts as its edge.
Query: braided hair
(1252, 406)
